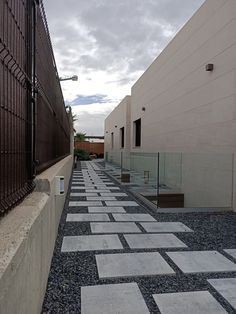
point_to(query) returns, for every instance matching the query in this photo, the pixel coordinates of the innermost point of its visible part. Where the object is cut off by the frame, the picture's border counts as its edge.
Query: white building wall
(187, 108)
(119, 117)
(190, 110)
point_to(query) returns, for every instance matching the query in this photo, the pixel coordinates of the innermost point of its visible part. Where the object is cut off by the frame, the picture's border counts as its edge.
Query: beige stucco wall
(190, 110)
(28, 235)
(118, 118)
(187, 108)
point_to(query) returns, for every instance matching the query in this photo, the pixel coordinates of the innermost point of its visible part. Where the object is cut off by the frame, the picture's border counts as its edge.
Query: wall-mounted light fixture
(59, 185)
(143, 108)
(115, 126)
(209, 67)
(69, 78)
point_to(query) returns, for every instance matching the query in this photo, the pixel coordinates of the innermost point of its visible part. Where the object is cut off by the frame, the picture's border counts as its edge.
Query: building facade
(185, 105)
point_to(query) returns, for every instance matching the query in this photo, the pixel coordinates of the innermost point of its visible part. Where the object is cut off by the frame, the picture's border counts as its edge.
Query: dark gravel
(70, 271)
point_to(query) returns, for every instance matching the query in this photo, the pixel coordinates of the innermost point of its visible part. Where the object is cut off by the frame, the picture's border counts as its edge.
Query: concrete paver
(231, 252)
(91, 243)
(124, 298)
(227, 288)
(106, 209)
(132, 264)
(133, 217)
(153, 241)
(114, 227)
(87, 217)
(165, 227)
(202, 262)
(195, 302)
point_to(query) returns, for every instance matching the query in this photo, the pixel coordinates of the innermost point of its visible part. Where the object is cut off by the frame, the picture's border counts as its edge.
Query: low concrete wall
(28, 235)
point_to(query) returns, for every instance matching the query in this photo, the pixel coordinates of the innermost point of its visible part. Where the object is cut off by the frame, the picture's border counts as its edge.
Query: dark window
(112, 140)
(137, 132)
(122, 137)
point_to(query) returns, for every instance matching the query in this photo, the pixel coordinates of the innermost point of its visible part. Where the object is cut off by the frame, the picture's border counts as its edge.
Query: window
(112, 140)
(122, 137)
(137, 133)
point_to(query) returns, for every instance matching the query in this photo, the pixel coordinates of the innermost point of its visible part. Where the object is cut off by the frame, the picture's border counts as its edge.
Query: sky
(109, 44)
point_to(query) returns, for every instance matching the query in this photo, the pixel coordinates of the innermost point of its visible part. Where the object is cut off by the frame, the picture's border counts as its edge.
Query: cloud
(88, 100)
(110, 42)
(115, 35)
(90, 118)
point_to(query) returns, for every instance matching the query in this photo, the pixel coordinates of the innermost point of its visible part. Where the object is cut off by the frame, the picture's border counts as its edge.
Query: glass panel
(207, 180)
(190, 180)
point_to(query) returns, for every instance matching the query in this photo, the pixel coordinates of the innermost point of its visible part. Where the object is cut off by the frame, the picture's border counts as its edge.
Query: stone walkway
(114, 256)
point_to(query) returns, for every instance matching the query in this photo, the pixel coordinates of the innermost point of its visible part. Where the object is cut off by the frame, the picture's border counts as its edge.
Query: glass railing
(176, 179)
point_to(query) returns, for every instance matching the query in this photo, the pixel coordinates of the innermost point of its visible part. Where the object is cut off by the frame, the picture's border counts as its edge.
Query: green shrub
(81, 154)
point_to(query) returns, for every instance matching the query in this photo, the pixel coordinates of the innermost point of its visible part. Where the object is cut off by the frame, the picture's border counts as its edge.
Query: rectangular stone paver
(75, 181)
(114, 227)
(101, 181)
(113, 194)
(227, 288)
(132, 264)
(165, 227)
(106, 209)
(93, 185)
(91, 243)
(121, 203)
(133, 217)
(101, 198)
(83, 194)
(112, 188)
(123, 298)
(201, 261)
(85, 203)
(82, 183)
(97, 191)
(79, 188)
(93, 181)
(195, 302)
(87, 217)
(153, 241)
(106, 183)
(231, 252)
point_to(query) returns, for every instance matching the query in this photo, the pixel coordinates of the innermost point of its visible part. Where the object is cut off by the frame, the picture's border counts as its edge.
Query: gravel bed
(70, 271)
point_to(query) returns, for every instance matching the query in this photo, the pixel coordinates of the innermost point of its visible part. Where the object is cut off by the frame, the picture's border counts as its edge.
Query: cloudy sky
(109, 44)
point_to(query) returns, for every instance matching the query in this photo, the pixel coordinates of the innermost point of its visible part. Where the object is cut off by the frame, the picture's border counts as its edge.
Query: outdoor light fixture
(70, 78)
(209, 67)
(143, 108)
(59, 185)
(115, 126)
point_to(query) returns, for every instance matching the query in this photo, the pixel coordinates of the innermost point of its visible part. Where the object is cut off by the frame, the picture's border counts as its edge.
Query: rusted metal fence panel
(34, 128)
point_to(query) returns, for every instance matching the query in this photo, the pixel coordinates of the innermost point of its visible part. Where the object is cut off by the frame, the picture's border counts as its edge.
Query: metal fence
(34, 127)
(53, 129)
